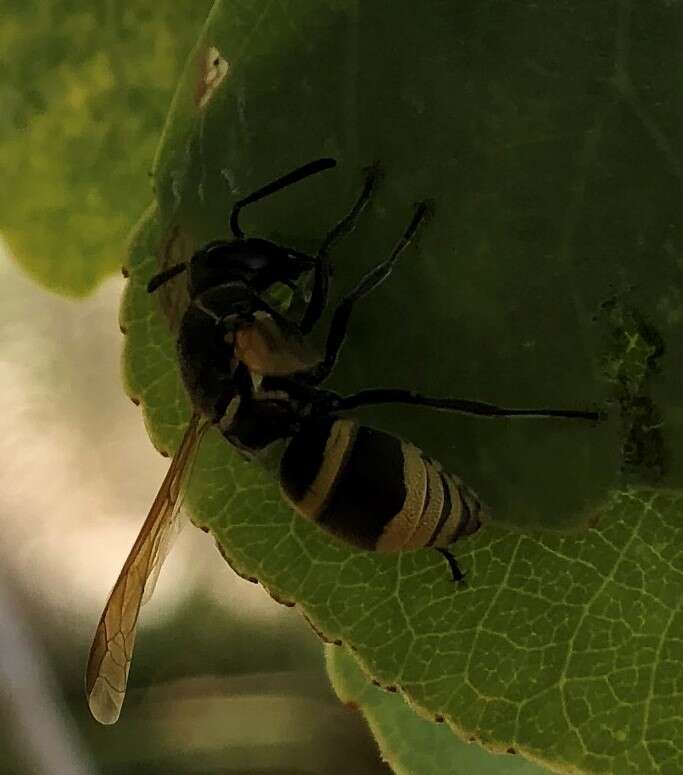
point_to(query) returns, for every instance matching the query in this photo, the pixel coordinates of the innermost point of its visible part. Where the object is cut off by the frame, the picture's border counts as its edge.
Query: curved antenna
(163, 277)
(312, 168)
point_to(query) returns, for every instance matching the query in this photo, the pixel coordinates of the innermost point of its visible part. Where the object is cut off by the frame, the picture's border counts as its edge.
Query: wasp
(249, 371)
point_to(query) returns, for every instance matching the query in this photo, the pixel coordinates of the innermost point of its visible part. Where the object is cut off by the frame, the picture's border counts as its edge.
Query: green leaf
(547, 138)
(84, 93)
(409, 743)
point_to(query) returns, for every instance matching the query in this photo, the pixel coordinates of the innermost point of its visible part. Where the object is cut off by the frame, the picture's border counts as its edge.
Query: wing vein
(112, 648)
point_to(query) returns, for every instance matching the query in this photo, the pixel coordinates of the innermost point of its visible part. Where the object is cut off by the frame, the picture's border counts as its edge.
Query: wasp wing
(112, 649)
(167, 537)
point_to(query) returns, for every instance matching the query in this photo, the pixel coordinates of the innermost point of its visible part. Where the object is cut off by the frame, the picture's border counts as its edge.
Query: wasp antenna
(163, 277)
(427, 208)
(312, 168)
(375, 170)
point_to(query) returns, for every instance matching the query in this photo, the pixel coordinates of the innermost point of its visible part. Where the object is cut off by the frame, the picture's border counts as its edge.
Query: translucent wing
(112, 649)
(167, 535)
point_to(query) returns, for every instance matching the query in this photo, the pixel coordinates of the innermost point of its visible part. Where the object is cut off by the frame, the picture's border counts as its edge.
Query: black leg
(458, 575)
(465, 406)
(312, 168)
(163, 277)
(239, 384)
(342, 314)
(321, 274)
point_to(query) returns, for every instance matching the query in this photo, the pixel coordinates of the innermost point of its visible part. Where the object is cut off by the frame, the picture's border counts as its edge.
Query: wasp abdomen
(374, 490)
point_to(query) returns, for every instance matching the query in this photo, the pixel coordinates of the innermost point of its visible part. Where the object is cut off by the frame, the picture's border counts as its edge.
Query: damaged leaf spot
(213, 69)
(633, 354)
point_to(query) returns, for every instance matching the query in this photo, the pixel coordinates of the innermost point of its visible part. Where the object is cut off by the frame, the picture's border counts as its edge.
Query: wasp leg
(342, 314)
(321, 272)
(458, 575)
(240, 384)
(374, 396)
(312, 168)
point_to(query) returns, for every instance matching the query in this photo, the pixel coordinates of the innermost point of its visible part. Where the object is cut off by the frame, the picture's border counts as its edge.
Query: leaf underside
(547, 139)
(411, 744)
